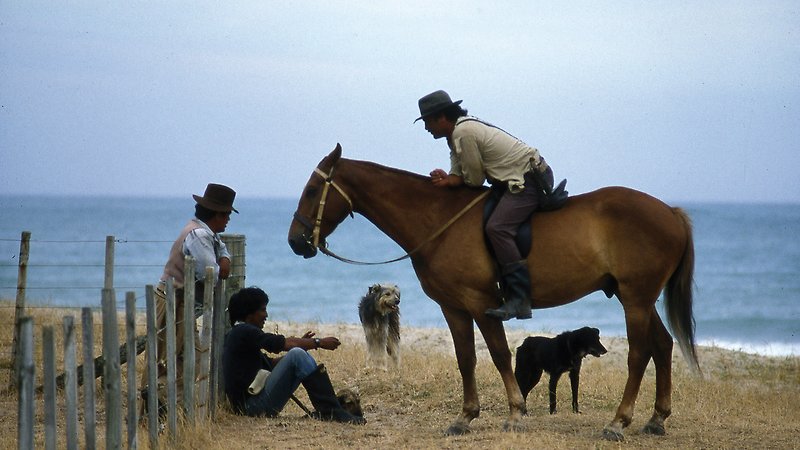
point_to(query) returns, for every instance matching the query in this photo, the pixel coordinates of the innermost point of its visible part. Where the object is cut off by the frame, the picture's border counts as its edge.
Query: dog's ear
(374, 288)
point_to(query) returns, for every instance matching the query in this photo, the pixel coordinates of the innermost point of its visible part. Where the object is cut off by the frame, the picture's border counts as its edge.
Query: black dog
(555, 356)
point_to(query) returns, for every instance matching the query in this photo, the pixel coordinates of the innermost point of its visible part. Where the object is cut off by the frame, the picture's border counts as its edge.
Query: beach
(741, 400)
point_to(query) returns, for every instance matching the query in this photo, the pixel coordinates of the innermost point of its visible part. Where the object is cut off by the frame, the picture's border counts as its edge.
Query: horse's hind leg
(661, 343)
(460, 324)
(637, 320)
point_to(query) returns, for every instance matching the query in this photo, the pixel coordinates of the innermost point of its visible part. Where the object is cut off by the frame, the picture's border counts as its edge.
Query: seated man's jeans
(290, 371)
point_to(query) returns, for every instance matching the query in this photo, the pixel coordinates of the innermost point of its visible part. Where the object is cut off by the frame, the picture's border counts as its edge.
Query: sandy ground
(439, 340)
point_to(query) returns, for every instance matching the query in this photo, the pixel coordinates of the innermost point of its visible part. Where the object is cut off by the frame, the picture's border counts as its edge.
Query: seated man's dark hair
(248, 300)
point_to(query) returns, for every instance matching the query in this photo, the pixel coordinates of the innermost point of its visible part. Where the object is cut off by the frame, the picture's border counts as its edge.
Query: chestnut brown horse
(615, 239)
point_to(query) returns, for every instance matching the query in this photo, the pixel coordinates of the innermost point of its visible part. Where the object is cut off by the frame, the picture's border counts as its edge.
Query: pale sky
(688, 101)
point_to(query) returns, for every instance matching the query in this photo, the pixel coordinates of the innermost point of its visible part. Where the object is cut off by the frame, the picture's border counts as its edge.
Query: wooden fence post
(205, 345)
(108, 280)
(19, 311)
(217, 341)
(172, 390)
(71, 383)
(152, 368)
(130, 339)
(111, 371)
(189, 345)
(89, 407)
(50, 407)
(25, 382)
(236, 279)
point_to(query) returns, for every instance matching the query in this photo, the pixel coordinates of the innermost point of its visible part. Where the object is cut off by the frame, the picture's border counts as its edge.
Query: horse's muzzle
(301, 246)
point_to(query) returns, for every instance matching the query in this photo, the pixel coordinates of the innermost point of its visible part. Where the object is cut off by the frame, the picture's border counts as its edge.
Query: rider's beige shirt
(480, 151)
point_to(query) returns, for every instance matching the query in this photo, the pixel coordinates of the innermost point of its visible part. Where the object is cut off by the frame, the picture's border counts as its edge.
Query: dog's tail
(678, 297)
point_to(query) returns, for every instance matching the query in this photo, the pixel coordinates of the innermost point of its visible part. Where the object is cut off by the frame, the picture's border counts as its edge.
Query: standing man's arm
(223, 258)
(224, 268)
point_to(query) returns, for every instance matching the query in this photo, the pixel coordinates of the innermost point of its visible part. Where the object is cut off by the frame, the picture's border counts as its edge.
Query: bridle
(315, 227)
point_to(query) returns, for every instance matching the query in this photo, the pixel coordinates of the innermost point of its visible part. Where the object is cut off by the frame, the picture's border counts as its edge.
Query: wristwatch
(316, 342)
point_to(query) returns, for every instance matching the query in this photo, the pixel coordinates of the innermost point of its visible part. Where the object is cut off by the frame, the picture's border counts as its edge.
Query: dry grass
(742, 401)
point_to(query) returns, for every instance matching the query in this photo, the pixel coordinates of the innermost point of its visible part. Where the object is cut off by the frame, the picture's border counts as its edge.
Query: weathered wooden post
(111, 371)
(152, 367)
(236, 279)
(108, 281)
(130, 340)
(172, 390)
(217, 341)
(205, 345)
(25, 383)
(19, 311)
(189, 324)
(70, 383)
(49, 362)
(89, 407)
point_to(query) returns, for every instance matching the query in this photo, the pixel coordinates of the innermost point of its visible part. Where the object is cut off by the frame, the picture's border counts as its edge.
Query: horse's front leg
(460, 324)
(495, 336)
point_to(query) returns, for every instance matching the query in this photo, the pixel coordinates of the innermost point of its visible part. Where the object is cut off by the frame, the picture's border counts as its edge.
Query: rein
(318, 222)
(426, 241)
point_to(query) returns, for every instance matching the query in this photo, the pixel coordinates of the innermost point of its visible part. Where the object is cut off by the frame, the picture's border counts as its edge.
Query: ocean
(747, 271)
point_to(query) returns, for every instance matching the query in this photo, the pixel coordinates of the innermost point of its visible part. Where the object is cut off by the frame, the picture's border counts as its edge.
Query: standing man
(200, 239)
(482, 152)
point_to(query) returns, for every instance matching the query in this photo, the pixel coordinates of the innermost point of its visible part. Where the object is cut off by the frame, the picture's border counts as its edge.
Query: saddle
(550, 199)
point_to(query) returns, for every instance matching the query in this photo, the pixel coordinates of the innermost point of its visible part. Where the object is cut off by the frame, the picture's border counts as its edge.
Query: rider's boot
(517, 281)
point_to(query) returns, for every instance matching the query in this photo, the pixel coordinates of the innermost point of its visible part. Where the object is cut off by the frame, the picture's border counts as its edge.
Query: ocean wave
(765, 349)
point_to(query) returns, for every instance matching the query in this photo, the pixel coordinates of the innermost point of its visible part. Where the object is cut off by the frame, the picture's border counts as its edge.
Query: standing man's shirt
(196, 239)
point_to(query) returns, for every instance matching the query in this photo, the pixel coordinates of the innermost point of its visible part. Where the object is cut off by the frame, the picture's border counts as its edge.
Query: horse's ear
(336, 153)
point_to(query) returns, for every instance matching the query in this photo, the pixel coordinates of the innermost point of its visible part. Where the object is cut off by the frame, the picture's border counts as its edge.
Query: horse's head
(322, 206)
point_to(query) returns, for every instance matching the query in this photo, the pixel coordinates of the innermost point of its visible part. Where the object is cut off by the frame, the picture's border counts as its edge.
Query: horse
(617, 240)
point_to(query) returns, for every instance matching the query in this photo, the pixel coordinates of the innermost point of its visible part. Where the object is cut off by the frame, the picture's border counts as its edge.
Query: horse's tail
(678, 296)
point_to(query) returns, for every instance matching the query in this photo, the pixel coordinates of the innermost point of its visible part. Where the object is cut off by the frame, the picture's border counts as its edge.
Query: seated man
(242, 359)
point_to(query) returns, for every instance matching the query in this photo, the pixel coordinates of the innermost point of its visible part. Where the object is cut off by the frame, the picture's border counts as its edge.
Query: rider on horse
(480, 151)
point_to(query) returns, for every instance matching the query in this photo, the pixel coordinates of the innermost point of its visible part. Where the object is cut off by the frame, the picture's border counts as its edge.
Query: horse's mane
(414, 176)
(389, 169)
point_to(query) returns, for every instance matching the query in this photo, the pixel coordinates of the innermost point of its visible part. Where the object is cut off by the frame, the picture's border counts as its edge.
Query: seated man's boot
(323, 397)
(517, 281)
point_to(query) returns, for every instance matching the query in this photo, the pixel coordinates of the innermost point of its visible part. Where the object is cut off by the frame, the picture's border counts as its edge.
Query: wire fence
(70, 273)
(122, 398)
(61, 273)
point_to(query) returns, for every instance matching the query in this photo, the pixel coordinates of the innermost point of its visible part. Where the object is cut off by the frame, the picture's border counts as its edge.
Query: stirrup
(502, 314)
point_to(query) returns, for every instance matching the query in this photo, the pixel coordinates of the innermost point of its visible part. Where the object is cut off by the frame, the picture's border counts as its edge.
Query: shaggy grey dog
(379, 312)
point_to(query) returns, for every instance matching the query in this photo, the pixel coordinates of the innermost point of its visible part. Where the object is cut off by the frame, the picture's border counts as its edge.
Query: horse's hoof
(611, 434)
(457, 429)
(655, 429)
(514, 426)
